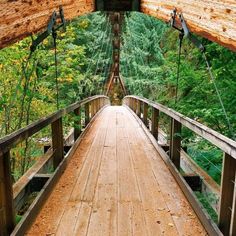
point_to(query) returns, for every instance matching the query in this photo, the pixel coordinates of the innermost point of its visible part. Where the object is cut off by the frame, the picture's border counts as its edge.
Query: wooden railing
(227, 211)
(91, 106)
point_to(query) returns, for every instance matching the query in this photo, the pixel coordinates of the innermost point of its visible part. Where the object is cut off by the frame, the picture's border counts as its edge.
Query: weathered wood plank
(206, 221)
(18, 136)
(138, 112)
(175, 143)
(86, 139)
(145, 113)
(233, 215)
(7, 216)
(212, 19)
(57, 142)
(155, 120)
(114, 192)
(86, 110)
(225, 144)
(77, 123)
(21, 18)
(227, 191)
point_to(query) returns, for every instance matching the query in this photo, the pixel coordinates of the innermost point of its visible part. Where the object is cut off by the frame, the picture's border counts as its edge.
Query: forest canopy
(149, 58)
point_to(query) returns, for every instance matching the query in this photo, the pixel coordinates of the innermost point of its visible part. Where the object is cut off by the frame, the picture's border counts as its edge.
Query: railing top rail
(7, 142)
(225, 144)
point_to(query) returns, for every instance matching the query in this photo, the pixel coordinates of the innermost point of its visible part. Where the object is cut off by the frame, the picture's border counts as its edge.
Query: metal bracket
(50, 28)
(185, 30)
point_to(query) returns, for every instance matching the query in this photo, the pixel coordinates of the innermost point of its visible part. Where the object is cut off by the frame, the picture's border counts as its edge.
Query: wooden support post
(233, 214)
(77, 123)
(145, 113)
(99, 103)
(135, 105)
(92, 109)
(138, 111)
(155, 119)
(96, 107)
(7, 215)
(131, 103)
(57, 142)
(102, 100)
(175, 144)
(86, 110)
(227, 191)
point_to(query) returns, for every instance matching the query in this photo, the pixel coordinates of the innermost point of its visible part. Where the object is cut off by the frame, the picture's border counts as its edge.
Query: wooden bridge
(114, 175)
(117, 178)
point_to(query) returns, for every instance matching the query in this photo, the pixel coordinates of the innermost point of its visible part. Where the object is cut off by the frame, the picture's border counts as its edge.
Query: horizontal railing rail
(225, 144)
(90, 107)
(13, 139)
(227, 209)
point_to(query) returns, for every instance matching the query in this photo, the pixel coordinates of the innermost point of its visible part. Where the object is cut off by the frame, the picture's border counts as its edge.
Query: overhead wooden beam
(21, 18)
(211, 19)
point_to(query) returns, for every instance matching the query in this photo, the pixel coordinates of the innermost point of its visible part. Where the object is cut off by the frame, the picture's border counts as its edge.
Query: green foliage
(28, 85)
(149, 66)
(205, 203)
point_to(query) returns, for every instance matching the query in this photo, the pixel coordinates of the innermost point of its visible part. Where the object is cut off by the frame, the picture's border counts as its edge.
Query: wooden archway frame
(212, 19)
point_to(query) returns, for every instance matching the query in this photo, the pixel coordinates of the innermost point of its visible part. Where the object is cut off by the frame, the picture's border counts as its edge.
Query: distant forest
(149, 58)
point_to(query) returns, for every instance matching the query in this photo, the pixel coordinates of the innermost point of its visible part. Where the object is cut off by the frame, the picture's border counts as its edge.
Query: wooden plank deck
(116, 184)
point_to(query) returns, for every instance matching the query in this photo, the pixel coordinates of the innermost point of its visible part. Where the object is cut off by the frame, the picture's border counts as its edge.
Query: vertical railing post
(155, 119)
(7, 215)
(227, 192)
(145, 113)
(86, 111)
(134, 105)
(77, 123)
(130, 103)
(233, 214)
(99, 103)
(102, 102)
(92, 109)
(57, 142)
(138, 108)
(175, 142)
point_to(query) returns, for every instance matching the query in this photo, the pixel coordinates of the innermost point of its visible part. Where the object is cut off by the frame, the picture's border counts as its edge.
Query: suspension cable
(181, 36)
(131, 36)
(132, 39)
(218, 94)
(54, 35)
(108, 65)
(101, 49)
(107, 53)
(90, 64)
(201, 47)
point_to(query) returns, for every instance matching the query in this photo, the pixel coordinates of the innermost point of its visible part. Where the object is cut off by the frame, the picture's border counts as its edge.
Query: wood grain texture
(116, 184)
(21, 18)
(224, 143)
(211, 19)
